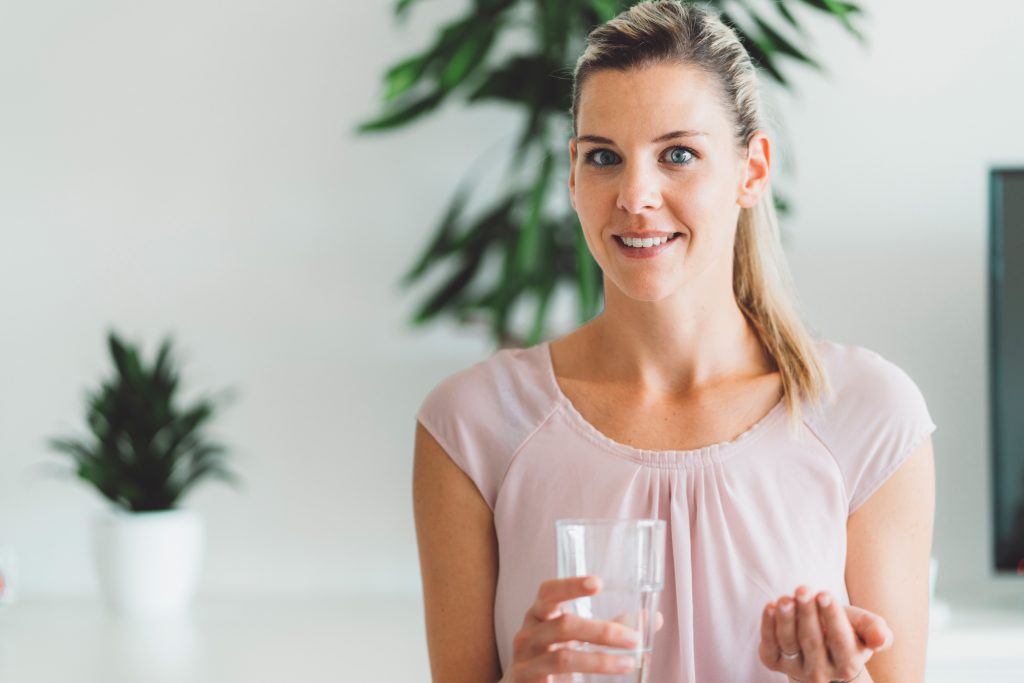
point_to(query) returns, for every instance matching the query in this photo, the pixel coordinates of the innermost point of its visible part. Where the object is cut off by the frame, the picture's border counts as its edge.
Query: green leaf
(834, 7)
(783, 10)
(489, 229)
(184, 429)
(509, 288)
(469, 56)
(444, 236)
(606, 9)
(78, 451)
(781, 44)
(126, 359)
(402, 7)
(403, 115)
(206, 453)
(404, 75)
(544, 292)
(212, 471)
(529, 239)
(840, 10)
(554, 26)
(585, 276)
(761, 57)
(547, 280)
(531, 80)
(445, 296)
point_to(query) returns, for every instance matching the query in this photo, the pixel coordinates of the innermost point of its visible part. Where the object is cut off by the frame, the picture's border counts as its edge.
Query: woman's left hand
(828, 641)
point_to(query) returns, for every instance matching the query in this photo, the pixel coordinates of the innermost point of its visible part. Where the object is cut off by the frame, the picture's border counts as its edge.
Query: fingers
(844, 651)
(833, 640)
(569, 627)
(808, 631)
(630, 618)
(870, 628)
(627, 620)
(553, 592)
(567, 660)
(546, 644)
(785, 626)
(768, 650)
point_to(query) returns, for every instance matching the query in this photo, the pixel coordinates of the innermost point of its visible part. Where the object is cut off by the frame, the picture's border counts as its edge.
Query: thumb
(879, 636)
(870, 628)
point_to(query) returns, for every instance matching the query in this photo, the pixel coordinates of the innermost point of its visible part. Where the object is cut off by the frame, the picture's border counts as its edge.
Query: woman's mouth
(639, 251)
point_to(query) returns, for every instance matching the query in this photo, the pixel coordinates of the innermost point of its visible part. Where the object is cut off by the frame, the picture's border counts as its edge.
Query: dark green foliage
(144, 452)
(538, 248)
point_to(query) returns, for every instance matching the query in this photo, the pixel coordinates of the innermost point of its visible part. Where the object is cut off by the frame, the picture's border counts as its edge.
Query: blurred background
(194, 169)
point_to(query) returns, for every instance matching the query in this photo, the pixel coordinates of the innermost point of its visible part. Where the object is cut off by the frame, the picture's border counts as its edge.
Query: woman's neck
(675, 345)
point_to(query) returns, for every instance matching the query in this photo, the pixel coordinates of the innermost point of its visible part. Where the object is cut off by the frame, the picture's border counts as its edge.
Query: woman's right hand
(541, 647)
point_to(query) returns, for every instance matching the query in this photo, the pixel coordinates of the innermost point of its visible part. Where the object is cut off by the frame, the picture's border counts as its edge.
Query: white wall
(191, 168)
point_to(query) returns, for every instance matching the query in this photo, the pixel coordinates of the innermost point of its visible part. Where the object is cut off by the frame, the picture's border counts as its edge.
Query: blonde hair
(658, 31)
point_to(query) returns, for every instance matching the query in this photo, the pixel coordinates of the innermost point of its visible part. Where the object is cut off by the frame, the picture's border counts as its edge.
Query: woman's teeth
(637, 242)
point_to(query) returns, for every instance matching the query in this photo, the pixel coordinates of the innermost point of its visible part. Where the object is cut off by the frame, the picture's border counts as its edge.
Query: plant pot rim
(121, 515)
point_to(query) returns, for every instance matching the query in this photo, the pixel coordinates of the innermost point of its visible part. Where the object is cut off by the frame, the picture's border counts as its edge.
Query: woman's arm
(889, 541)
(458, 552)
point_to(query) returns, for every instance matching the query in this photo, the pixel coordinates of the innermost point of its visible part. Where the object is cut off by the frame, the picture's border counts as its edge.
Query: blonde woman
(795, 475)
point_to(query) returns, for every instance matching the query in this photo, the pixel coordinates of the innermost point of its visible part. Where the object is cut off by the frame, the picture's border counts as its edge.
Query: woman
(797, 548)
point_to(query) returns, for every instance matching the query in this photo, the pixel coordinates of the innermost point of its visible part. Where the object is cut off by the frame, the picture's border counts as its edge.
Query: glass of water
(629, 556)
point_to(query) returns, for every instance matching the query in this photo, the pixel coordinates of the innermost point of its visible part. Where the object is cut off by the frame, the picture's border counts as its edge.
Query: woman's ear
(572, 172)
(756, 168)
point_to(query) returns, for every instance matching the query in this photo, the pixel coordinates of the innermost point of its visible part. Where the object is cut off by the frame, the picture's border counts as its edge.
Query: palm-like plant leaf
(539, 248)
(144, 451)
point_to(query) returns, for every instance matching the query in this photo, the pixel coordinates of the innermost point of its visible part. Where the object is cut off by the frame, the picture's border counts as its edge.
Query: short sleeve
(453, 413)
(482, 414)
(879, 417)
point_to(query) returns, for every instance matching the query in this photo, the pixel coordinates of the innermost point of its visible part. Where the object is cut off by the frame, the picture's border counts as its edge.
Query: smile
(645, 248)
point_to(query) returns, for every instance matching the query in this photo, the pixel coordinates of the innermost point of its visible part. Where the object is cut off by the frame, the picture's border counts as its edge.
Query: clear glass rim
(599, 521)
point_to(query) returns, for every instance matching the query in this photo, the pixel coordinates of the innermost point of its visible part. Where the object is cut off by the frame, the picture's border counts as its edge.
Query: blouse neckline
(712, 453)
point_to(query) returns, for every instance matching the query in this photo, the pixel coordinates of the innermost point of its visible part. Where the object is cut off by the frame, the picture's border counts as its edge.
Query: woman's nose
(639, 190)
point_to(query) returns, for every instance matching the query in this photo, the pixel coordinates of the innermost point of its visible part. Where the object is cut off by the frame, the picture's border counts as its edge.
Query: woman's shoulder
(483, 413)
(861, 378)
(875, 417)
(510, 379)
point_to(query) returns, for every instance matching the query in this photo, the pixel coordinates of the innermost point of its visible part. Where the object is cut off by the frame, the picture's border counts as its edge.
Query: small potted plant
(144, 453)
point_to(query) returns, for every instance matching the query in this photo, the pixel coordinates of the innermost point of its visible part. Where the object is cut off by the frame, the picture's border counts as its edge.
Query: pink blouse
(747, 520)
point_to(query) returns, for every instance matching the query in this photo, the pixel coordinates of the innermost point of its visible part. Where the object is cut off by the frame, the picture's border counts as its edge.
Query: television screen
(1006, 327)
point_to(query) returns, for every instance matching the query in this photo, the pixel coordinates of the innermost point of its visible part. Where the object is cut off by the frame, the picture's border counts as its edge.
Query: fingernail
(625, 662)
(786, 607)
(824, 600)
(630, 636)
(803, 598)
(590, 583)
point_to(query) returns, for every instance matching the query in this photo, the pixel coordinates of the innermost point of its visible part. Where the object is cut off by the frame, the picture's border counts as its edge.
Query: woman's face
(655, 156)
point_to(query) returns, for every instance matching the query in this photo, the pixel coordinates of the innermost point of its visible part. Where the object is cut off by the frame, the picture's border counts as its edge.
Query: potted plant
(143, 454)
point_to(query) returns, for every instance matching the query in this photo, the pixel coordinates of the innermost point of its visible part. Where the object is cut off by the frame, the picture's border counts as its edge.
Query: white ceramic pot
(149, 562)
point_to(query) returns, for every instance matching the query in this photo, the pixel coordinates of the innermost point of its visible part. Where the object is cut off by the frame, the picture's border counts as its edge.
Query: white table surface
(308, 640)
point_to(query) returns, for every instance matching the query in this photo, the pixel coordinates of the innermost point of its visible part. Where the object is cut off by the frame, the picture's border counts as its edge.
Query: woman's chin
(650, 291)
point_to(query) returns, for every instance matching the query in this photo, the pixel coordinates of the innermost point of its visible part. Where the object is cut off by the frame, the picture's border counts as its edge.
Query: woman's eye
(602, 157)
(680, 155)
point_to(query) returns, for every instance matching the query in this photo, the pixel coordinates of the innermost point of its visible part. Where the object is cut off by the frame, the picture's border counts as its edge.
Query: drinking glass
(629, 556)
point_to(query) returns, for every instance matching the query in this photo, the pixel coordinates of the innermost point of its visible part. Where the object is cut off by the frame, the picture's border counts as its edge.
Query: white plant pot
(149, 563)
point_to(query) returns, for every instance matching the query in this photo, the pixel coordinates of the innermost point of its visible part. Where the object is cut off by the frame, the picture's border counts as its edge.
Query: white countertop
(280, 640)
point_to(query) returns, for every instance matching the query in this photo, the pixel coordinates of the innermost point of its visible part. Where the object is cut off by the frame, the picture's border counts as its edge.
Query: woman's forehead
(649, 102)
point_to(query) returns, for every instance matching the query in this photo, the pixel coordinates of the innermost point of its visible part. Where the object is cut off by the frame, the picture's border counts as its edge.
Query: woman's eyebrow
(661, 138)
